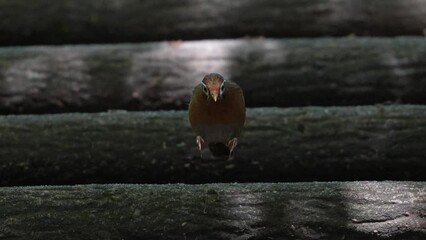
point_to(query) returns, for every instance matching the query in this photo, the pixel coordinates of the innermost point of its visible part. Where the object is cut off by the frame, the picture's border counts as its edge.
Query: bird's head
(213, 86)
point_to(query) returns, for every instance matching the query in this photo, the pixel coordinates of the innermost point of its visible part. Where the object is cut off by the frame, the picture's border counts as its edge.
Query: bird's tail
(216, 151)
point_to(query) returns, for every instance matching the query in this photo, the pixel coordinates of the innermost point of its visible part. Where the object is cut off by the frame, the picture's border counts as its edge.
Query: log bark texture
(101, 21)
(297, 144)
(282, 73)
(345, 210)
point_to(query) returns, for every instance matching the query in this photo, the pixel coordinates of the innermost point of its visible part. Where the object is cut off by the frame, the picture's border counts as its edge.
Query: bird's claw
(200, 142)
(231, 145)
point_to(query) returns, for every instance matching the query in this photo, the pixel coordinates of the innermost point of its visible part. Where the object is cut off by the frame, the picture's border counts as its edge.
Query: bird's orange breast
(228, 111)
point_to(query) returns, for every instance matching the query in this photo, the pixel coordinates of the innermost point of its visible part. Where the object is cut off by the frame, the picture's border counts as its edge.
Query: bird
(217, 115)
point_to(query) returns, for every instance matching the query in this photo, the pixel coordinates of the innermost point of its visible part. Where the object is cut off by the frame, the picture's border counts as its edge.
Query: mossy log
(280, 73)
(101, 21)
(296, 144)
(345, 210)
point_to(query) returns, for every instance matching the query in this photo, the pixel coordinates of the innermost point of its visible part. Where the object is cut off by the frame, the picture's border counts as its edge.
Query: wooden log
(297, 144)
(345, 210)
(102, 21)
(283, 73)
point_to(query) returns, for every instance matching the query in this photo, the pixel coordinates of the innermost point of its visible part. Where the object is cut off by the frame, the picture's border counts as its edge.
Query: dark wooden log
(346, 210)
(298, 144)
(102, 21)
(347, 71)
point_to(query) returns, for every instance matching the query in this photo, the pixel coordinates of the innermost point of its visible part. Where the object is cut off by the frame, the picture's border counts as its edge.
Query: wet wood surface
(152, 76)
(337, 210)
(100, 21)
(295, 144)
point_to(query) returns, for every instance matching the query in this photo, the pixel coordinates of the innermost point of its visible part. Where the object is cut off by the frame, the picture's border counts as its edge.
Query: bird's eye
(205, 90)
(222, 88)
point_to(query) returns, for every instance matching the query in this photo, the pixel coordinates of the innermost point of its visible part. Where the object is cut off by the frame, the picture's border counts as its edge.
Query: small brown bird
(217, 114)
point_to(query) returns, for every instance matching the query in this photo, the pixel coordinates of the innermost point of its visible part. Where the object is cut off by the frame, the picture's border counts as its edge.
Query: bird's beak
(214, 96)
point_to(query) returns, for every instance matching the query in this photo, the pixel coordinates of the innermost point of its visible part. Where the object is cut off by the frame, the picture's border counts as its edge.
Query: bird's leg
(231, 145)
(200, 142)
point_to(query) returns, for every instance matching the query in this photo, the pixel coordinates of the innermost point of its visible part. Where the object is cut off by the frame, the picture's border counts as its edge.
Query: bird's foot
(200, 143)
(231, 145)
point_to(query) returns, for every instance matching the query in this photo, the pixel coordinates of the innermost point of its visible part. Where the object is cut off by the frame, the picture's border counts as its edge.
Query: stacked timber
(95, 142)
